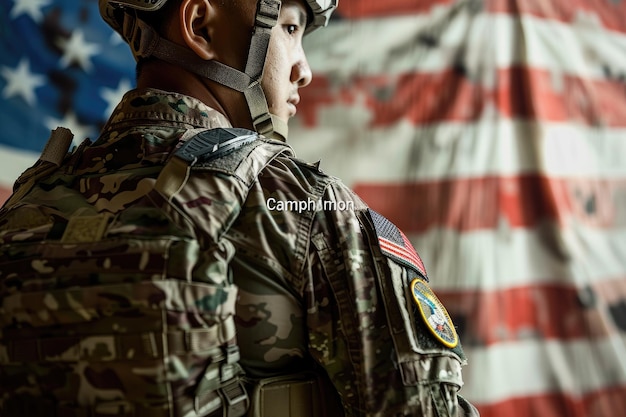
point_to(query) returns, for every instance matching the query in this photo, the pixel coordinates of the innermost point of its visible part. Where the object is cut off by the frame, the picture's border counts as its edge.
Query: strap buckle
(235, 399)
(267, 14)
(263, 124)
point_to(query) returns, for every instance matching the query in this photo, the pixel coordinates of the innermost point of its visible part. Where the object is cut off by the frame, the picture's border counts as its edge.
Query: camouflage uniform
(318, 291)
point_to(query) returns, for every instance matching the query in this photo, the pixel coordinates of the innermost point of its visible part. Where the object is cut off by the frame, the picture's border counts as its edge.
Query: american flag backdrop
(60, 65)
(492, 132)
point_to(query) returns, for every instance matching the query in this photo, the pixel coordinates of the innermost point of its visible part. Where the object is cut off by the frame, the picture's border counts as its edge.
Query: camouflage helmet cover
(321, 10)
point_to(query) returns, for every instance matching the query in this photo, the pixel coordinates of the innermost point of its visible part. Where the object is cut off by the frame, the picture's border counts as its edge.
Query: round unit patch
(434, 313)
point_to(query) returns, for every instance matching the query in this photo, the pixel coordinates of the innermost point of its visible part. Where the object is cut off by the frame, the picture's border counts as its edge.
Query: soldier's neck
(168, 77)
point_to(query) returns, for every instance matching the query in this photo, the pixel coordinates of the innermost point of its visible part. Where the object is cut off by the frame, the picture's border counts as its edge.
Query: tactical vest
(131, 312)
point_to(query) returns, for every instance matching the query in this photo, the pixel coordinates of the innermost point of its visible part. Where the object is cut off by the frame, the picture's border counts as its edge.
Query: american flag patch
(396, 245)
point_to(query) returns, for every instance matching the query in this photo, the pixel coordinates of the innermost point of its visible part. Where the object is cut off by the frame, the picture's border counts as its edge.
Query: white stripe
(534, 367)
(481, 42)
(13, 162)
(353, 152)
(506, 258)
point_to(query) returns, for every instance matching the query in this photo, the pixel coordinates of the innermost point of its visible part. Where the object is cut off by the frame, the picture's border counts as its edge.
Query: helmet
(145, 42)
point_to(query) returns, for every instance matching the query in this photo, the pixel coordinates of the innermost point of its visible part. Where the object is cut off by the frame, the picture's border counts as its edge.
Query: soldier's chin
(292, 110)
(284, 113)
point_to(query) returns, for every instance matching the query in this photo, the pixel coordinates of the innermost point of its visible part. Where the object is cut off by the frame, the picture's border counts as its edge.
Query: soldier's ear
(196, 18)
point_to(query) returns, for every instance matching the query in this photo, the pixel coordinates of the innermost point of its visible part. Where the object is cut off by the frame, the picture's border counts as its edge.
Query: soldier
(181, 267)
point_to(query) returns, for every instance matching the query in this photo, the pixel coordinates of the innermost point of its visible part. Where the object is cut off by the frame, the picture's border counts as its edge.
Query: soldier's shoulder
(312, 168)
(290, 169)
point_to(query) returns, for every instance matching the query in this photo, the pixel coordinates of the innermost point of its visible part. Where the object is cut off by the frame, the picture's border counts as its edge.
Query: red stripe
(354, 9)
(418, 260)
(523, 201)
(401, 252)
(601, 403)
(557, 311)
(449, 95)
(610, 14)
(396, 250)
(5, 193)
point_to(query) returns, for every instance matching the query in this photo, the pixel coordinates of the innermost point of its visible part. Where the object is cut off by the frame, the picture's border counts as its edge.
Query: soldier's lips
(293, 104)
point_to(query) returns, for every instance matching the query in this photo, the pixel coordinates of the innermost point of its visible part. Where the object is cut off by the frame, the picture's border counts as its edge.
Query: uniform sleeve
(384, 339)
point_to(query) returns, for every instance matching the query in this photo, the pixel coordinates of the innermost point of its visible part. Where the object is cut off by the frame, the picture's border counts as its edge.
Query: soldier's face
(286, 66)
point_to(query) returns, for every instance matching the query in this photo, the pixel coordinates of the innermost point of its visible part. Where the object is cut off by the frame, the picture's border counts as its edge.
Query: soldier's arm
(369, 318)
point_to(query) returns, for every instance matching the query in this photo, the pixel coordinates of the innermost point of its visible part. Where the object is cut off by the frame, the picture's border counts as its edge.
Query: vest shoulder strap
(240, 153)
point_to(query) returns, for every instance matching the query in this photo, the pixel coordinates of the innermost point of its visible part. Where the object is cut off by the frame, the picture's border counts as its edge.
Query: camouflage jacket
(325, 284)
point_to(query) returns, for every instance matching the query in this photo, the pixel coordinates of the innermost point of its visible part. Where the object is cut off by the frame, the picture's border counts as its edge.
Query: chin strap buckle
(263, 124)
(267, 14)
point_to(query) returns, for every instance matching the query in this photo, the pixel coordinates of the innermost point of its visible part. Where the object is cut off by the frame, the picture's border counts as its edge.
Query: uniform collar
(163, 107)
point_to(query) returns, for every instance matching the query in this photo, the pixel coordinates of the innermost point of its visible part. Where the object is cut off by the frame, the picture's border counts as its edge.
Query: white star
(112, 97)
(30, 7)
(70, 121)
(77, 50)
(21, 82)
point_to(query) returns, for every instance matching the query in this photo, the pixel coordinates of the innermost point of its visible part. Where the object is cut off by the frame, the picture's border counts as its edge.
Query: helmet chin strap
(264, 122)
(145, 42)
